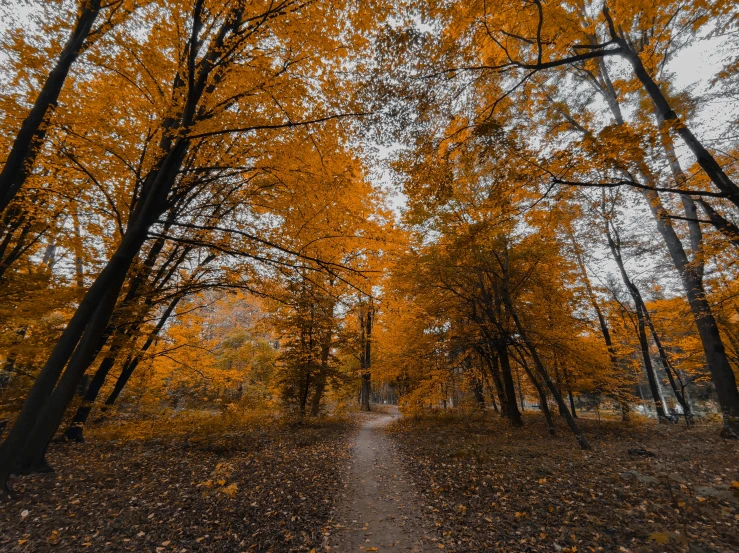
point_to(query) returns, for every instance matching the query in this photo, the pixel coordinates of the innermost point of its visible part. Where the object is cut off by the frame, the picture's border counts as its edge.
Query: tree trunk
(365, 357)
(723, 225)
(320, 379)
(671, 122)
(572, 404)
(31, 136)
(492, 363)
(478, 393)
(514, 415)
(110, 280)
(52, 414)
(130, 365)
(671, 373)
(641, 313)
(366, 391)
(304, 393)
(315, 408)
(540, 391)
(579, 436)
(111, 277)
(713, 347)
(75, 431)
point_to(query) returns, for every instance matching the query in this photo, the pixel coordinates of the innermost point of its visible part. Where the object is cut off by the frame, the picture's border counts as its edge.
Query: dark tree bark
(32, 459)
(514, 415)
(75, 432)
(572, 404)
(146, 210)
(713, 347)
(31, 136)
(492, 363)
(478, 393)
(723, 225)
(109, 281)
(614, 243)
(579, 436)
(691, 273)
(670, 119)
(540, 391)
(320, 387)
(366, 317)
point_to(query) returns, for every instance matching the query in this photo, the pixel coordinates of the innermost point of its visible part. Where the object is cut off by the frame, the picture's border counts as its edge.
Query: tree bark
(723, 225)
(32, 133)
(540, 391)
(365, 356)
(671, 121)
(110, 280)
(713, 347)
(514, 415)
(641, 313)
(492, 363)
(32, 459)
(579, 436)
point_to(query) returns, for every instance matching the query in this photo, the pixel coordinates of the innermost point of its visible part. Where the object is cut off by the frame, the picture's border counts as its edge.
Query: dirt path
(377, 511)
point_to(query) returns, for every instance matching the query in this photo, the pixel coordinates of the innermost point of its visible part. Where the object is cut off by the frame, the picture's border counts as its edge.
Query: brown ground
(265, 488)
(489, 488)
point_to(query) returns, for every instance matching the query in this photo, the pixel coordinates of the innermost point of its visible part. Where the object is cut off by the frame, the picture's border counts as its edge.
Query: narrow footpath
(378, 511)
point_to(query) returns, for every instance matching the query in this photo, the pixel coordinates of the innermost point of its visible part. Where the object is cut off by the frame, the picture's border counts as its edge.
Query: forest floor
(376, 482)
(226, 488)
(642, 488)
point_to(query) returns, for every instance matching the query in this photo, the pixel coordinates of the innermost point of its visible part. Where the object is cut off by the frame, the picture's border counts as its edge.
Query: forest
(351, 276)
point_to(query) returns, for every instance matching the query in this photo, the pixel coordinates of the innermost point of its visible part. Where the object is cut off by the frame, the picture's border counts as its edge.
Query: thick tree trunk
(514, 415)
(31, 136)
(51, 416)
(366, 391)
(713, 347)
(320, 387)
(111, 278)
